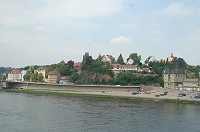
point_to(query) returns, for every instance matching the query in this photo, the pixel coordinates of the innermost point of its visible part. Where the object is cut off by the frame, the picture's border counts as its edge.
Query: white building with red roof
(14, 75)
(117, 68)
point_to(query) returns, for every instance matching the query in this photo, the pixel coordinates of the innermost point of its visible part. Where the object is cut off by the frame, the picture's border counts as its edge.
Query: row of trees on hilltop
(134, 56)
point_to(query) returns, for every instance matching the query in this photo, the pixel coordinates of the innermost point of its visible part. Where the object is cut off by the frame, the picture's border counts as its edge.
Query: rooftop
(174, 72)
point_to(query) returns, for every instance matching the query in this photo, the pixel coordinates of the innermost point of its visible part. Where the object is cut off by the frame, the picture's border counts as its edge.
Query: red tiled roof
(115, 65)
(145, 69)
(54, 73)
(15, 72)
(77, 64)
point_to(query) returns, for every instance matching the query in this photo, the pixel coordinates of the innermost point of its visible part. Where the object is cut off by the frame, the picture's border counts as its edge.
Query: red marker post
(116, 104)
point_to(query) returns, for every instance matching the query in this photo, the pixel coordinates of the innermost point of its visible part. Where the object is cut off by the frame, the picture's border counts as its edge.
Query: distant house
(42, 71)
(54, 77)
(106, 58)
(170, 58)
(64, 80)
(117, 68)
(77, 66)
(14, 75)
(191, 84)
(129, 61)
(173, 78)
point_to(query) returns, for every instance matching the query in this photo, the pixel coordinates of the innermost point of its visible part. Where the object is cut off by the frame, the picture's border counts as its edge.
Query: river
(47, 113)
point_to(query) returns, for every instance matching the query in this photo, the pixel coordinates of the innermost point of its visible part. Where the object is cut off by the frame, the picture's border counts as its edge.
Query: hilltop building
(106, 58)
(129, 61)
(117, 68)
(173, 78)
(77, 66)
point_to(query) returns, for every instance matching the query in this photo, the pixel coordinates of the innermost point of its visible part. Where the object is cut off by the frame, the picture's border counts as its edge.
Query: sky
(44, 32)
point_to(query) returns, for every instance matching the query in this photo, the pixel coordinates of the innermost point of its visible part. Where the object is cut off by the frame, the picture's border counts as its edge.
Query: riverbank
(170, 98)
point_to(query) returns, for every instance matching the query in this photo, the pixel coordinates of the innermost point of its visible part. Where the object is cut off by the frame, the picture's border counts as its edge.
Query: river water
(46, 113)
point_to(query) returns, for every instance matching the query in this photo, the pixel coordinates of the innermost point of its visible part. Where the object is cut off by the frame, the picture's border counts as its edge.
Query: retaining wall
(28, 85)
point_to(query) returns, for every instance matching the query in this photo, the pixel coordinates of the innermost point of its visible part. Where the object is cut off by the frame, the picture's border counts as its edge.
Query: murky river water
(39, 113)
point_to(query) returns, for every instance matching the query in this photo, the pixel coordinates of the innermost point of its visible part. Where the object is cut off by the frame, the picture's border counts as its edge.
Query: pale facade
(117, 68)
(43, 72)
(14, 75)
(54, 77)
(106, 58)
(191, 84)
(129, 61)
(174, 78)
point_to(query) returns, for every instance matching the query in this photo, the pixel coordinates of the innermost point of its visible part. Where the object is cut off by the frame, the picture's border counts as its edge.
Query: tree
(62, 68)
(136, 58)
(87, 59)
(180, 63)
(40, 77)
(120, 59)
(70, 64)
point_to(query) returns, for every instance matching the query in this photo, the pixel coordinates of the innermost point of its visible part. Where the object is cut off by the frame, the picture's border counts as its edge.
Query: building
(64, 80)
(173, 78)
(191, 84)
(146, 69)
(106, 58)
(129, 61)
(14, 75)
(42, 71)
(77, 66)
(23, 73)
(54, 77)
(117, 68)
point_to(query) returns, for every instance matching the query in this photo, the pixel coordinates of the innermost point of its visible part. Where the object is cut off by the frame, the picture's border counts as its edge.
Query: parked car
(135, 93)
(165, 93)
(181, 94)
(196, 96)
(162, 95)
(157, 95)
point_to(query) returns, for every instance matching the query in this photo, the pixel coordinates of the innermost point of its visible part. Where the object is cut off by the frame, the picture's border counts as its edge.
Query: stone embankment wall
(28, 85)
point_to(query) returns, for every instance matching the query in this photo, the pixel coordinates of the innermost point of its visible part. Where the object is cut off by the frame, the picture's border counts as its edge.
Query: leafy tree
(87, 59)
(40, 77)
(34, 77)
(70, 64)
(27, 77)
(136, 58)
(63, 69)
(180, 63)
(75, 77)
(120, 59)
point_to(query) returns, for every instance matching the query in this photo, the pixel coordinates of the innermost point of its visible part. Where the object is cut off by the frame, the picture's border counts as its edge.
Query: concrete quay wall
(28, 85)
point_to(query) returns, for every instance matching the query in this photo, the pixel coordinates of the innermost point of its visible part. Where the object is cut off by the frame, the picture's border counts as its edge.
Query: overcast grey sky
(39, 32)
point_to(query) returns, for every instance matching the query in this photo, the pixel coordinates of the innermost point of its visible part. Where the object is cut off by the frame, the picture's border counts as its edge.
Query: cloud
(62, 13)
(121, 40)
(179, 9)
